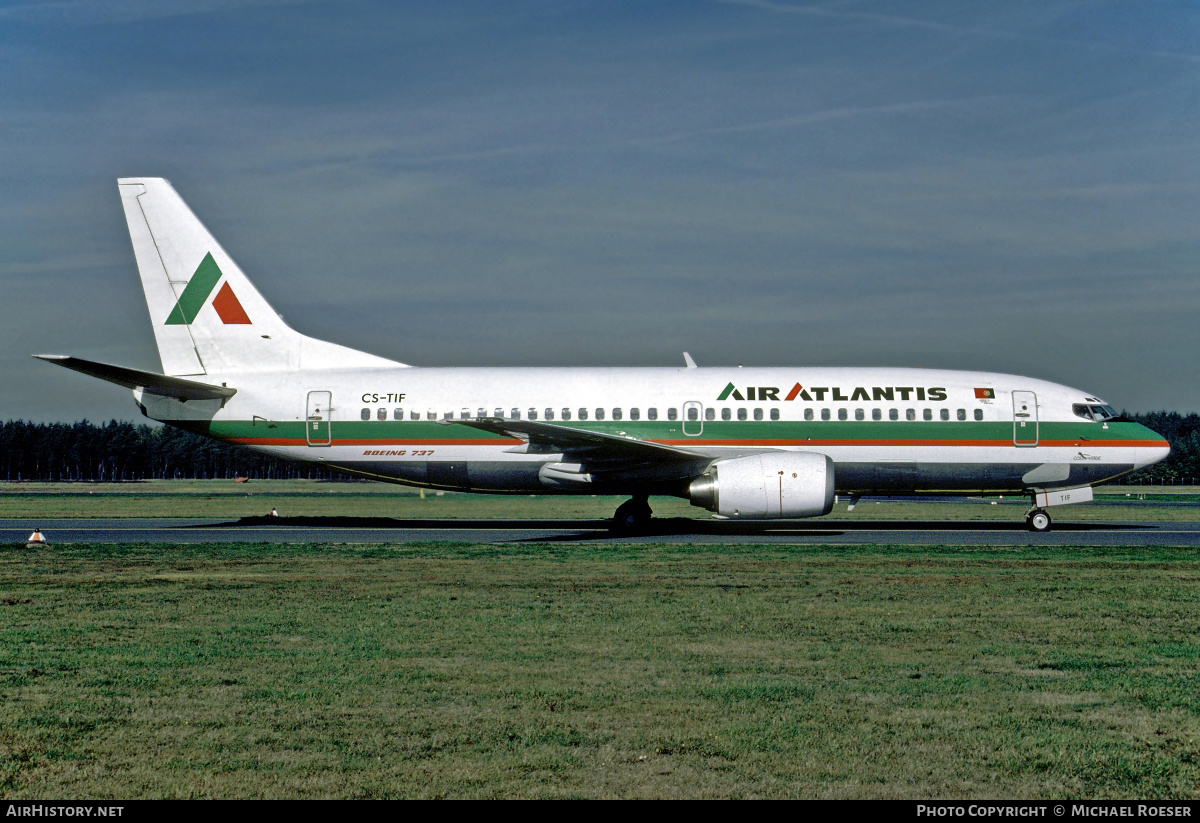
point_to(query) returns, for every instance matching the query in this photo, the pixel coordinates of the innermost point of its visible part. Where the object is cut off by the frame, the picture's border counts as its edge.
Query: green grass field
(599, 671)
(593, 669)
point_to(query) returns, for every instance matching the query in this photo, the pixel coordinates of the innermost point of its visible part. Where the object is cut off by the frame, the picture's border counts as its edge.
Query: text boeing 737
(745, 443)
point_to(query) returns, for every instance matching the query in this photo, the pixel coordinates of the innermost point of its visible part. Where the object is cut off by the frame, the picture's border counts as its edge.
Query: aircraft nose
(1157, 448)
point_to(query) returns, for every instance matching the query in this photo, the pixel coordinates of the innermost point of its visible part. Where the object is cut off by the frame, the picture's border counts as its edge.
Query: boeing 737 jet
(744, 443)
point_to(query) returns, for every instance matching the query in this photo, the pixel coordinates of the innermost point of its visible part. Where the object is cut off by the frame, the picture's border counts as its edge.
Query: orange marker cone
(36, 540)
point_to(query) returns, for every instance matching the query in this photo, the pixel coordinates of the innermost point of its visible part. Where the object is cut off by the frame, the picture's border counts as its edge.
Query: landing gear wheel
(632, 515)
(1038, 521)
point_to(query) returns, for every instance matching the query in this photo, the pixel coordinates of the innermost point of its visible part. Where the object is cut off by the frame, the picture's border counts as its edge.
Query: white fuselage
(885, 429)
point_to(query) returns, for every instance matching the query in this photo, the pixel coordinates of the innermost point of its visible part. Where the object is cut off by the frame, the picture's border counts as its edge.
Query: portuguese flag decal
(195, 295)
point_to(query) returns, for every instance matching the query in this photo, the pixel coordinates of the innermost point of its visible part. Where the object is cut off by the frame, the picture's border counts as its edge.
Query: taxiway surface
(386, 530)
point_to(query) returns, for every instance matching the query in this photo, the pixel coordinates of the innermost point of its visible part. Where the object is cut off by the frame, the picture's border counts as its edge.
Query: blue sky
(1004, 186)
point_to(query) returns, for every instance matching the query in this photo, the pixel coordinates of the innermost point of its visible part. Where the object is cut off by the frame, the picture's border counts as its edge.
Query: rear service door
(316, 426)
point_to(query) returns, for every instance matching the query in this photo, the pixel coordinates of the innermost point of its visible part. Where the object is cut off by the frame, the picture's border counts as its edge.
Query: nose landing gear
(1037, 520)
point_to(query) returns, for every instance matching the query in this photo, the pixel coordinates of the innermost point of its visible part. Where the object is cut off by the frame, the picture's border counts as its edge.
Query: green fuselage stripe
(716, 433)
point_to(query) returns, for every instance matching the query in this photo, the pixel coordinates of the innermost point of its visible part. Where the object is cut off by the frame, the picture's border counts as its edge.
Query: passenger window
(842, 414)
(927, 414)
(758, 414)
(858, 414)
(381, 414)
(876, 414)
(693, 413)
(549, 414)
(945, 415)
(566, 414)
(516, 414)
(808, 414)
(824, 414)
(774, 414)
(430, 414)
(672, 413)
(466, 414)
(651, 413)
(741, 414)
(414, 415)
(710, 413)
(449, 415)
(599, 414)
(910, 414)
(616, 414)
(366, 414)
(893, 414)
(962, 414)
(482, 413)
(533, 414)
(583, 414)
(979, 414)
(635, 414)
(726, 414)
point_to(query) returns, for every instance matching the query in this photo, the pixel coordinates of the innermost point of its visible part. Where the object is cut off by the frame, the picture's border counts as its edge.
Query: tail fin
(208, 318)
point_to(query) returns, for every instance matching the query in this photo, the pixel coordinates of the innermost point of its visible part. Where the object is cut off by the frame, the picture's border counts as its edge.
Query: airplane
(743, 443)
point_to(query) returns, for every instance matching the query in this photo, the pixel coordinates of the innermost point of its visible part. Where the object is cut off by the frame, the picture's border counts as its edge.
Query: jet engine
(766, 486)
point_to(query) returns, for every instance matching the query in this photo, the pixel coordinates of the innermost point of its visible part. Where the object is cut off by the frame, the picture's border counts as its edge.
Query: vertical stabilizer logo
(195, 295)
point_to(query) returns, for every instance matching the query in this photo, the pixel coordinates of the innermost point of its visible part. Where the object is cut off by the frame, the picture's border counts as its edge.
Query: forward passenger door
(1025, 418)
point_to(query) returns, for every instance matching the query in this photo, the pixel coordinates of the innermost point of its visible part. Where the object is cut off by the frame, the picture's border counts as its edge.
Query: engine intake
(766, 486)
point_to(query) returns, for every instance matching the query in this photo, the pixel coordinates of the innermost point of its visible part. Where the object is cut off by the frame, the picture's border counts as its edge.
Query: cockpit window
(1099, 413)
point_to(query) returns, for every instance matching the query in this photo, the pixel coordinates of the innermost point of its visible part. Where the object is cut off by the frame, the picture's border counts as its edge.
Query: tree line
(119, 451)
(1183, 433)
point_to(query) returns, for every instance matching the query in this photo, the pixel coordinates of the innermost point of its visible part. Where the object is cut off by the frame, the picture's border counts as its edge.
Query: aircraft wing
(610, 454)
(178, 387)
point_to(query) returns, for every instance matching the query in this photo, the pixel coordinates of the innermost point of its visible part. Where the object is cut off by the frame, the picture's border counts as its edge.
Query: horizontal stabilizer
(176, 387)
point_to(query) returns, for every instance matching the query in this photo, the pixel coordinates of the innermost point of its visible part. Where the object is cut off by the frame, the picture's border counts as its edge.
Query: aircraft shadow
(587, 529)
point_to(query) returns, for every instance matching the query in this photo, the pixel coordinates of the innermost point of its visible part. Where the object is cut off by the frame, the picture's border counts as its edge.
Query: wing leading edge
(593, 456)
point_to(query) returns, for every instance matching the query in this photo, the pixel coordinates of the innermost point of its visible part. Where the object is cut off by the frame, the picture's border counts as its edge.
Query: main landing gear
(1037, 520)
(632, 515)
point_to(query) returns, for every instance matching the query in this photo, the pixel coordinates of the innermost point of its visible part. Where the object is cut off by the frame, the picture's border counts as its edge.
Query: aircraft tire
(1038, 521)
(632, 515)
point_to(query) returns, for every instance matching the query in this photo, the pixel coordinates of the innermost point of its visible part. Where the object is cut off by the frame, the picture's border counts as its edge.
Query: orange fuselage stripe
(996, 444)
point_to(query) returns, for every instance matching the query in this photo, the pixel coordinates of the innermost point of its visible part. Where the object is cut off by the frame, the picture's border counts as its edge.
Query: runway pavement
(389, 530)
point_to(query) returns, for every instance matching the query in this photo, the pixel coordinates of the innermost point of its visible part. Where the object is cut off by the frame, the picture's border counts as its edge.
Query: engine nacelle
(766, 486)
